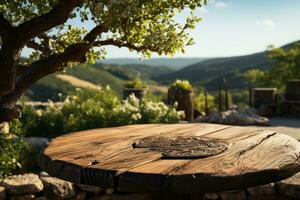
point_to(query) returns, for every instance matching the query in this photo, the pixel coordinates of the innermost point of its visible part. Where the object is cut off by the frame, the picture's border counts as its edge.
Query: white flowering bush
(132, 111)
(87, 109)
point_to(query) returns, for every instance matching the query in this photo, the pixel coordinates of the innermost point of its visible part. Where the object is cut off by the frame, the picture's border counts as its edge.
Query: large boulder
(236, 117)
(55, 188)
(23, 184)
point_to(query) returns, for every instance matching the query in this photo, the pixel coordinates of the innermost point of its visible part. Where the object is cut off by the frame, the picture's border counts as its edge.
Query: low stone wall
(43, 187)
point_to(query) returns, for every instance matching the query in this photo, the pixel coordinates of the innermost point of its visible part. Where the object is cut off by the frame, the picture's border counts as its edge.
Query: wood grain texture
(105, 157)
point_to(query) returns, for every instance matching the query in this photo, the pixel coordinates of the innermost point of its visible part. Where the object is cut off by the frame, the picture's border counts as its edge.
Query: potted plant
(136, 87)
(181, 91)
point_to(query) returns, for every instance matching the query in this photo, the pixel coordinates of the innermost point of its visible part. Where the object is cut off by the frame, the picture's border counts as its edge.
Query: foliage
(135, 83)
(199, 102)
(240, 98)
(132, 111)
(10, 154)
(39, 123)
(182, 85)
(285, 66)
(143, 23)
(255, 76)
(87, 109)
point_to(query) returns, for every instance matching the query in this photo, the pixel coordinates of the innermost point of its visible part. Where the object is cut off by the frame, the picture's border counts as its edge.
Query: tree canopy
(45, 27)
(285, 65)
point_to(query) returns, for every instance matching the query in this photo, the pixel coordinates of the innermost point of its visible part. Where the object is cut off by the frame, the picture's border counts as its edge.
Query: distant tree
(255, 76)
(47, 29)
(285, 65)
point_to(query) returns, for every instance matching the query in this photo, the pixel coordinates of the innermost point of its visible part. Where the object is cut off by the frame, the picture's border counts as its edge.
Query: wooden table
(106, 157)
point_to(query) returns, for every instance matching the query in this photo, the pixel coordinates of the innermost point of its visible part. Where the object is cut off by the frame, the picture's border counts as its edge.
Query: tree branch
(39, 47)
(58, 15)
(21, 69)
(120, 44)
(94, 33)
(43, 67)
(5, 26)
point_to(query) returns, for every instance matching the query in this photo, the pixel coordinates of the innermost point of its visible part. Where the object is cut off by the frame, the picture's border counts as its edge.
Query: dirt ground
(289, 126)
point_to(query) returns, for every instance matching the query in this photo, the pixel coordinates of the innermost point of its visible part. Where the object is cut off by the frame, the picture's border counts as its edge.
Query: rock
(262, 190)
(55, 188)
(23, 197)
(236, 117)
(109, 191)
(211, 196)
(23, 184)
(233, 195)
(41, 198)
(80, 196)
(269, 197)
(2, 193)
(44, 174)
(290, 187)
(124, 197)
(90, 188)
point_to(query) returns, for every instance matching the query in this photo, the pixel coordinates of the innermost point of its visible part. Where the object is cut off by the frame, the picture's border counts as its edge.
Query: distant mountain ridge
(175, 63)
(209, 73)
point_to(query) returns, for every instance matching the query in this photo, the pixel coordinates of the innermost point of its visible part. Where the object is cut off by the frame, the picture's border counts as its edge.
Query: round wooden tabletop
(107, 158)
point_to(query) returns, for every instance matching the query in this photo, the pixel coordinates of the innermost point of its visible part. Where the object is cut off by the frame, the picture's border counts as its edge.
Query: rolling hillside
(174, 63)
(92, 77)
(209, 72)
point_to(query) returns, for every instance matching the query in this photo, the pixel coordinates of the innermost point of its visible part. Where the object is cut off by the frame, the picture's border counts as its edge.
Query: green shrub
(10, 155)
(182, 85)
(88, 109)
(199, 103)
(39, 123)
(135, 83)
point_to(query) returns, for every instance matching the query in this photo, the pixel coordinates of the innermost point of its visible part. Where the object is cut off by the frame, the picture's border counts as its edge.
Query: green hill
(48, 88)
(174, 63)
(98, 74)
(209, 73)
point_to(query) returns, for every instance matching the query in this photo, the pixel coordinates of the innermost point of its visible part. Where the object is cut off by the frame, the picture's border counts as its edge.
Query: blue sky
(234, 27)
(238, 27)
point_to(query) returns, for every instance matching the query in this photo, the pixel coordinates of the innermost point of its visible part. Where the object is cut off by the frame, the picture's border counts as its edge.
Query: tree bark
(13, 41)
